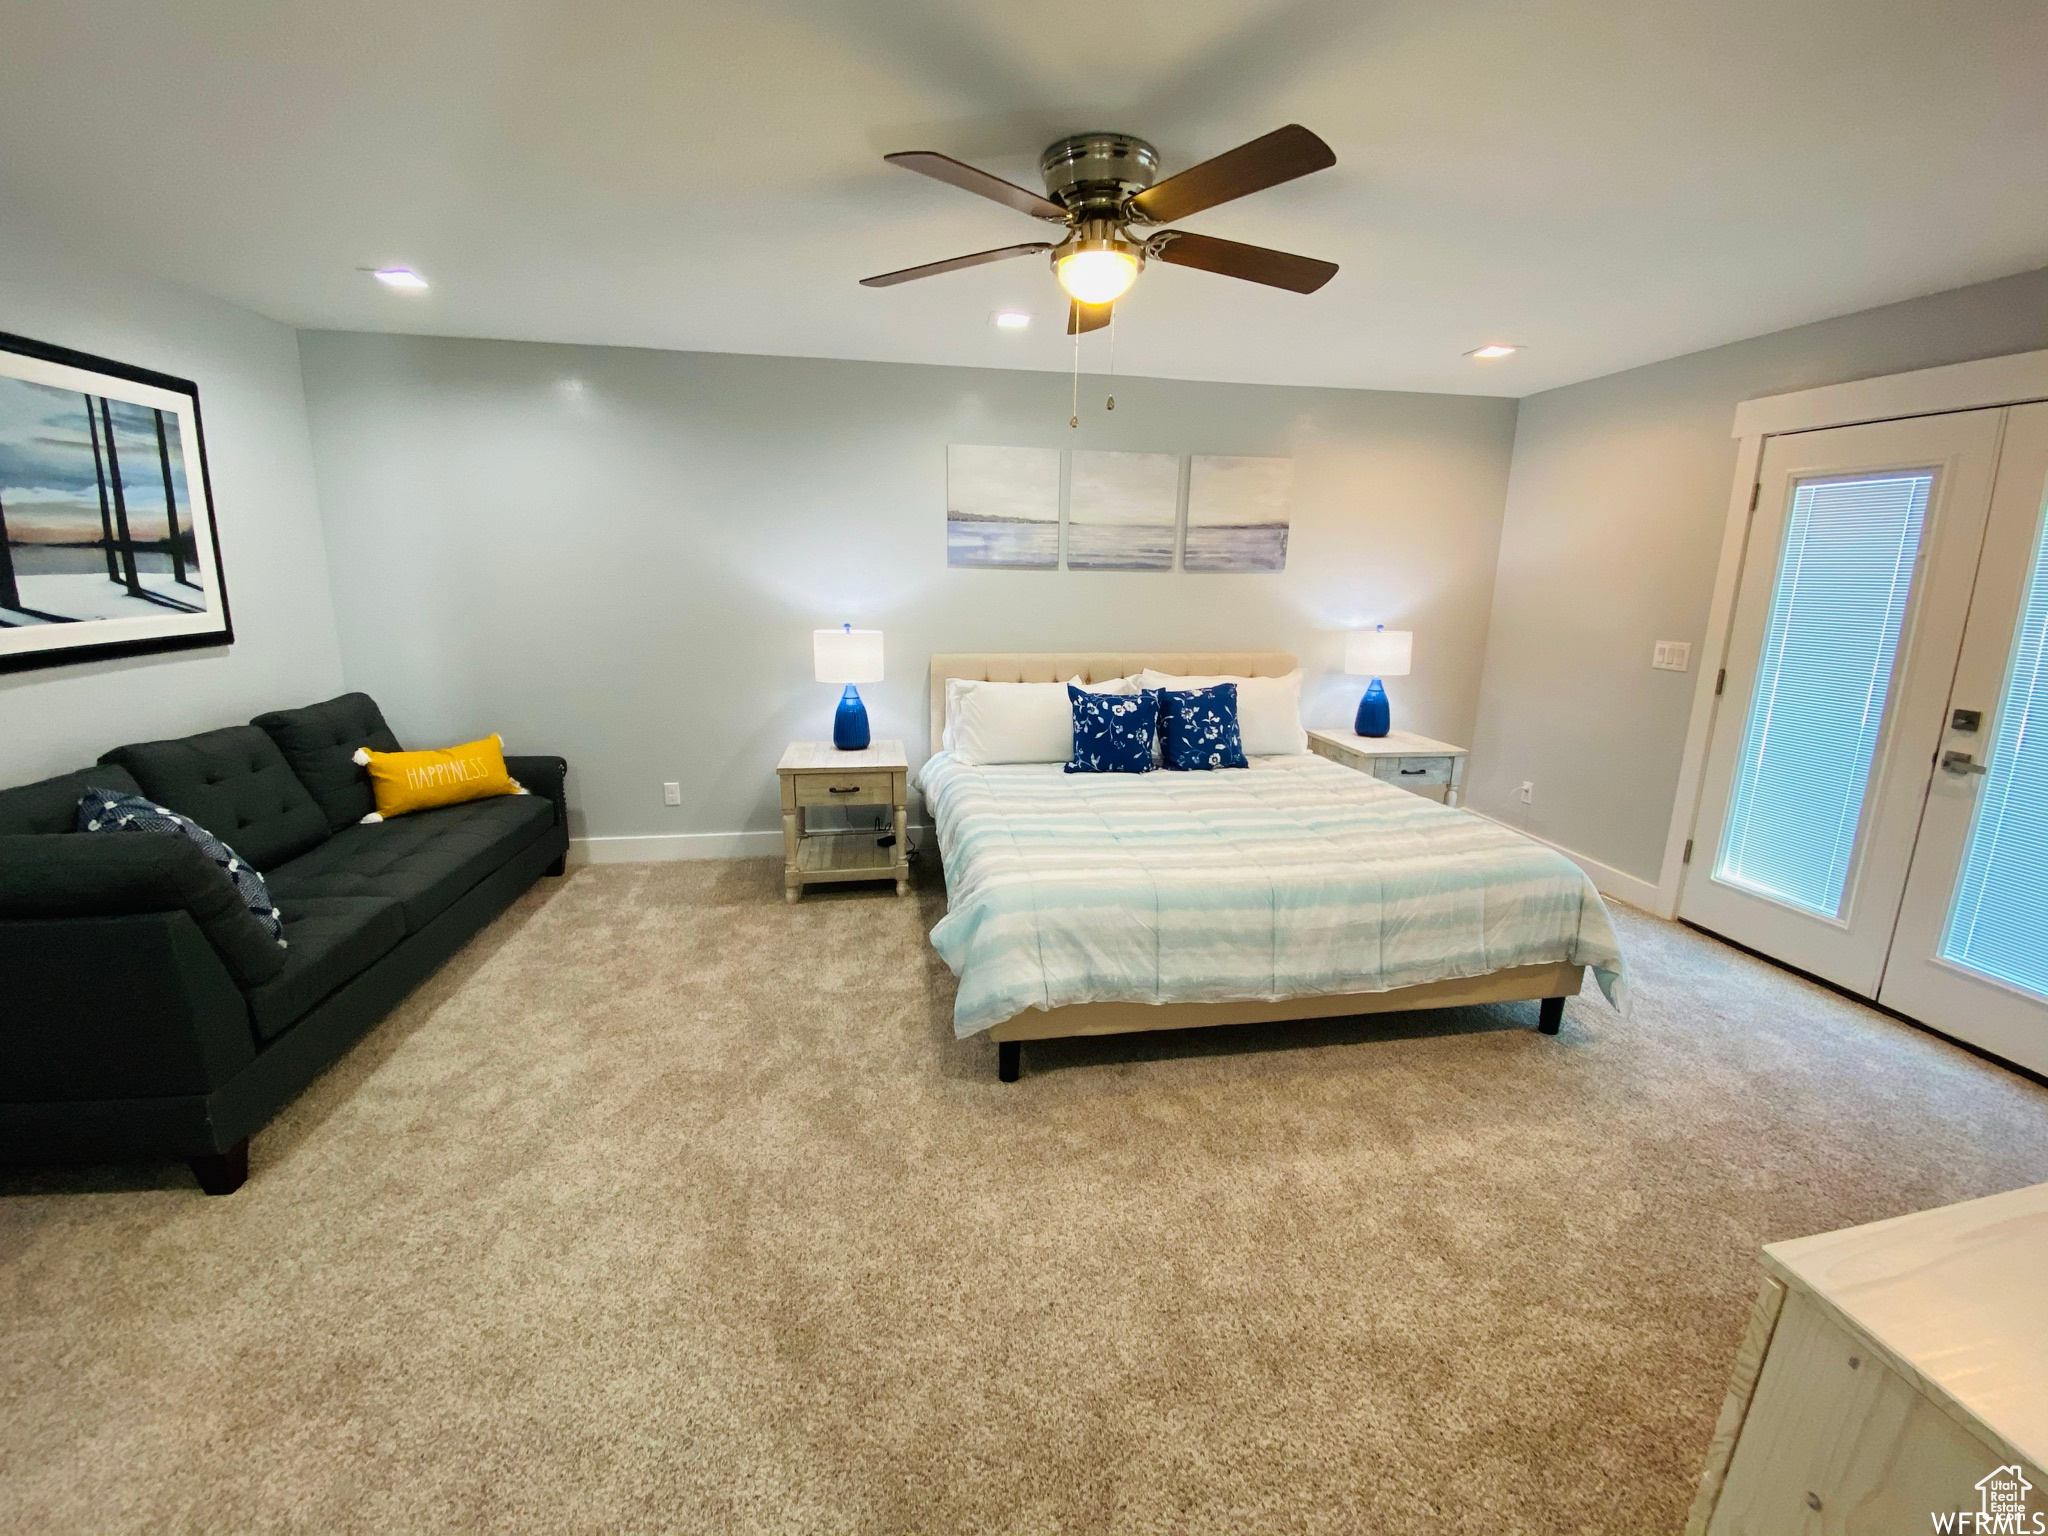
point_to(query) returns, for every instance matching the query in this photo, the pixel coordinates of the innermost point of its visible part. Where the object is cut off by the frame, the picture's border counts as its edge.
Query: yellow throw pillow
(404, 782)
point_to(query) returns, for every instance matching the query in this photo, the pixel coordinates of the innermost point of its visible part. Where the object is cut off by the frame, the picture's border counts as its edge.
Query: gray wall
(260, 465)
(1614, 518)
(620, 554)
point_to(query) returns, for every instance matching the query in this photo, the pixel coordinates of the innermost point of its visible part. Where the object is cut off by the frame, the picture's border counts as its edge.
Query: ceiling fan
(1100, 184)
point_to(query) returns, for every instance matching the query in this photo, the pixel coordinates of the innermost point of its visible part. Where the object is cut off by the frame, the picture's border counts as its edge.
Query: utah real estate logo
(2002, 1508)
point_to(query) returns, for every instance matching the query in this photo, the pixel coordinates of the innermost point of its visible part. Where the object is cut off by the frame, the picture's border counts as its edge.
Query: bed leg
(1549, 1015)
(1009, 1060)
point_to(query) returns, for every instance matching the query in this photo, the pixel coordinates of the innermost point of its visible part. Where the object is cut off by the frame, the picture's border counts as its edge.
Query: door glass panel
(1999, 924)
(1844, 574)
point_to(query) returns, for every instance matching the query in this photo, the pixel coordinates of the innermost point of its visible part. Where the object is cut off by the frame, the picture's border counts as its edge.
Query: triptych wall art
(1123, 511)
(107, 543)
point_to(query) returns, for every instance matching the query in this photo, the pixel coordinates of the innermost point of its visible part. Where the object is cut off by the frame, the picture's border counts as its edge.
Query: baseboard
(663, 847)
(1607, 880)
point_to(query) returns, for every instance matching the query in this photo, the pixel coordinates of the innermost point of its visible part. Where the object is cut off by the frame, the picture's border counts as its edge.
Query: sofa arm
(121, 874)
(544, 776)
(114, 1008)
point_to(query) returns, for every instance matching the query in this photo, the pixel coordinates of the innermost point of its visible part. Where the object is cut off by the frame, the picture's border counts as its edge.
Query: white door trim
(1989, 381)
(1992, 381)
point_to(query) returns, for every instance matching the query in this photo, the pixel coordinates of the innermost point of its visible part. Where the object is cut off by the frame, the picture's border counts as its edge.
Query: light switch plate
(1672, 655)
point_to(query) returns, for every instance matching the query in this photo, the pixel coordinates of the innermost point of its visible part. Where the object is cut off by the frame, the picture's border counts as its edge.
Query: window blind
(1999, 923)
(1845, 572)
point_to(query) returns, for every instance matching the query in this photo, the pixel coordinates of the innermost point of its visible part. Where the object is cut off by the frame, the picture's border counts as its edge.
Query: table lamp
(848, 655)
(1376, 653)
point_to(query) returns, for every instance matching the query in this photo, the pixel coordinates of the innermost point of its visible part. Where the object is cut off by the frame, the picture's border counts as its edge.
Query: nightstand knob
(834, 789)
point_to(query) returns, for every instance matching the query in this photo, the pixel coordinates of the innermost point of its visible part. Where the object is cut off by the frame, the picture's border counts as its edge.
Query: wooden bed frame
(1546, 985)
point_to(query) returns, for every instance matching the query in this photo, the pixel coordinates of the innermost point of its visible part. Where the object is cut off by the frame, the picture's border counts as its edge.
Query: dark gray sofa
(145, 1013)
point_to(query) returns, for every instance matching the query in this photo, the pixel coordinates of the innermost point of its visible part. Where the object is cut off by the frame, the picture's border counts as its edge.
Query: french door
(1892, 618)
(1971, 952)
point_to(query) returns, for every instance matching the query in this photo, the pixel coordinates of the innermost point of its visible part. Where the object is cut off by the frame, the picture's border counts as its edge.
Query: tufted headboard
(1093, 667)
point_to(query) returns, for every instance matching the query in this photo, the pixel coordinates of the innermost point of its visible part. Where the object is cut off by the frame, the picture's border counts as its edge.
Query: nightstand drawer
(1411, 771)
(846, 788)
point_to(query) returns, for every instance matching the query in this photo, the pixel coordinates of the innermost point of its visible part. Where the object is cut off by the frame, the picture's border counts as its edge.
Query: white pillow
(1008, 722)
(1123, 687)
(1268, 709)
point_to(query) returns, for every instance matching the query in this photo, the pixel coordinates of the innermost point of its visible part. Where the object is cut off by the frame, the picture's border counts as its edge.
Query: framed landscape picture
(1238, 514)
(1003, 507)
(107, 543)
(1122, 509)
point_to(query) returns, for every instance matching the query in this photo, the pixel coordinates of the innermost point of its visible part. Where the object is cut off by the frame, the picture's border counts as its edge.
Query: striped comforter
(1295, 877)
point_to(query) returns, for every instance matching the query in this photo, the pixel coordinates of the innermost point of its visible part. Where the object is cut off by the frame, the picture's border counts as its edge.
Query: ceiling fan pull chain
(1112, 359)
(1075, 419)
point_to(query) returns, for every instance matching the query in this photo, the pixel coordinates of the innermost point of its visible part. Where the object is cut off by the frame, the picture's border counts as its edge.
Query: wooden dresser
(1892, 1376)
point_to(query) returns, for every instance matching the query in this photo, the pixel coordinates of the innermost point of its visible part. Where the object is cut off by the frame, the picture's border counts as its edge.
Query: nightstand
(1432, 769)
(816, 773)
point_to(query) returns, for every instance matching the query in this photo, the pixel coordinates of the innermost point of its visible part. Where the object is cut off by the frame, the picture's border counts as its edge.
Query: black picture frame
(188, 622)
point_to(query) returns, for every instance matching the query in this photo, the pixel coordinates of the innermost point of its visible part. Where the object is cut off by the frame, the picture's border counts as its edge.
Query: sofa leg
(222, 1173)
(559, 867)
(1549, 1015)
(1009, 1060)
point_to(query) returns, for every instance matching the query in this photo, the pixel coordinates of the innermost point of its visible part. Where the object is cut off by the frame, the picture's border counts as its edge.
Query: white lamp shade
(1379, 652)
(847, 655)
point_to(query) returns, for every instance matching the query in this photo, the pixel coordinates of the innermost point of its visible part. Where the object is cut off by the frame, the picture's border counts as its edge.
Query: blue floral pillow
(1113, 731)
(109, 810)
(1198, 728)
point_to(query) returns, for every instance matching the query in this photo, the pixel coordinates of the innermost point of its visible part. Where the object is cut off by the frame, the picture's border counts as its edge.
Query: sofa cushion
(320, 743)
(425, 861)
(51, 805)
(236, 784)
(333, 940)
(49, 875)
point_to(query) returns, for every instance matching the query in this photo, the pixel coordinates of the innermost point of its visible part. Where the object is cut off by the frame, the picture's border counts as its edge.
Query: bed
(1091, 904)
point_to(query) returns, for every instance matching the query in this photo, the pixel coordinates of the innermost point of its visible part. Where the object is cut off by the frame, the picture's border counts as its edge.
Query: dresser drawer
(1412, 771)
(856, 788)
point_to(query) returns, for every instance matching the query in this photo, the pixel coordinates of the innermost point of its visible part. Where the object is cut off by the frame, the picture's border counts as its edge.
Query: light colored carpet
(668, 1206)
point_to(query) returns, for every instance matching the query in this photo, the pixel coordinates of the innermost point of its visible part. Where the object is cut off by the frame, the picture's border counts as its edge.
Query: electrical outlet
(671, 794)
(1672, 655)
(1528, 793)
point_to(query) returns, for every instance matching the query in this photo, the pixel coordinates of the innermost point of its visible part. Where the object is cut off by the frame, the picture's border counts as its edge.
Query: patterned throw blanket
(1292, 878)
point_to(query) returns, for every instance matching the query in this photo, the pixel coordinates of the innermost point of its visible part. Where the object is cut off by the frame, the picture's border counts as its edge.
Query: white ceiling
(1605, 182)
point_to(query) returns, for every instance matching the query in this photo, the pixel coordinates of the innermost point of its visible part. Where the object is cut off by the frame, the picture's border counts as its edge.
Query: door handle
(1962, 764)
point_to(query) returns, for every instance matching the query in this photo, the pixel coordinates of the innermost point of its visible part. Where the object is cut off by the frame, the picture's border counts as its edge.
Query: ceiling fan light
(1098, 276)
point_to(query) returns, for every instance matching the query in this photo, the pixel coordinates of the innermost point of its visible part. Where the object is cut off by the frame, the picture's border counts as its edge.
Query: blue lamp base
(850, 725)
(1373, 718)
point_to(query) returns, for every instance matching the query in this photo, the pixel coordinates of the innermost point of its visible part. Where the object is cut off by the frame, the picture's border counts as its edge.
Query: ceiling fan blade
(1279, 156)
(953, 264)
(1253, 263)
(957, 173)
(1083, 318)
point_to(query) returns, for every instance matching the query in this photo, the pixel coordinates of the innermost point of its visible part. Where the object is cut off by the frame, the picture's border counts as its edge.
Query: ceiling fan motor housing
(1096, 172)
(1093, 175)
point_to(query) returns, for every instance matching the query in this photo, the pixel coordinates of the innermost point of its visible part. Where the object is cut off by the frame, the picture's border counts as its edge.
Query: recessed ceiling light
(1011, 319)
(404, 279)
(1494, 349)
